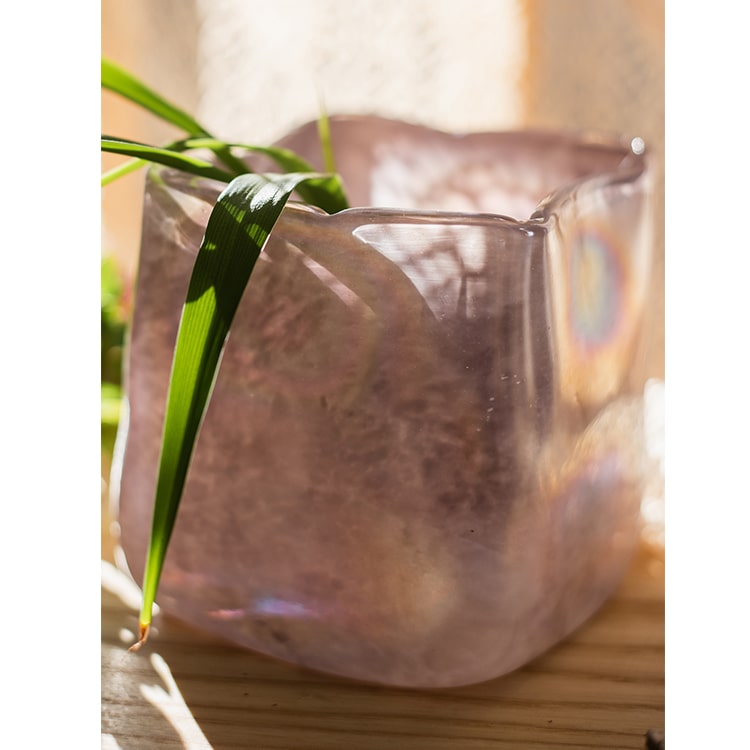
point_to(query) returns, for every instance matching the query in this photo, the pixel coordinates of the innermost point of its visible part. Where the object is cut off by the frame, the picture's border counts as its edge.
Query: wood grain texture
(601, 688)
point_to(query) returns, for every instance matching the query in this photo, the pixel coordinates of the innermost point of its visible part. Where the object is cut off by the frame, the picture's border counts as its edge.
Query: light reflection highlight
(126, 636)
(637, 146)
(172, 706)
(268, 605)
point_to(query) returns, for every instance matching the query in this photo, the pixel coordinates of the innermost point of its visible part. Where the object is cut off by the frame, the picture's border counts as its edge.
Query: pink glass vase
(423, 460)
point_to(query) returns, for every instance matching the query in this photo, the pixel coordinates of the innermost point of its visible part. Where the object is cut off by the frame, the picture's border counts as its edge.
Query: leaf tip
(143, 629)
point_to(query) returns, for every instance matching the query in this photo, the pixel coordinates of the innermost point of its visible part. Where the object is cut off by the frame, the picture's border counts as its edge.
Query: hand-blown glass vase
(423, 459)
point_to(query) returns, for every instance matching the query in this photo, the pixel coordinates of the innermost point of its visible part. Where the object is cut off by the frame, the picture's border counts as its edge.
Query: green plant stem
(324, 134)
(168, 157)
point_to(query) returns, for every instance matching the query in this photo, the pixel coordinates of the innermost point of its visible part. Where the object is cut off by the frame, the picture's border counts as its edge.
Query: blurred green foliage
(114, 322)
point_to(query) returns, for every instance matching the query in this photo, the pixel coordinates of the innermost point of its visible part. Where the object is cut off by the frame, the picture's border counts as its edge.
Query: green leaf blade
(324, 134)
(325, 192)
(166, 156)
(116, 79)
(123, 169)
(237, 229)
(120, 81)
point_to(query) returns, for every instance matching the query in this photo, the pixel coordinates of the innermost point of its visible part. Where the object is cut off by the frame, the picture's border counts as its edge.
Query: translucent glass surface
(423, 461)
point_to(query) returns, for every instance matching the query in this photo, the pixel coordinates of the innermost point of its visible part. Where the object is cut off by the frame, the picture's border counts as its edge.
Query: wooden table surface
(601, 688)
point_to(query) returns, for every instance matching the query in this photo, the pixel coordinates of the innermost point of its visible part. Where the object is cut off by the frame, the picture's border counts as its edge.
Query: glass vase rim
(634, 166)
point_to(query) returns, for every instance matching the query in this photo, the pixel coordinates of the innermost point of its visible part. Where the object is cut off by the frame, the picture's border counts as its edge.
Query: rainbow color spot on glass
(596, 289)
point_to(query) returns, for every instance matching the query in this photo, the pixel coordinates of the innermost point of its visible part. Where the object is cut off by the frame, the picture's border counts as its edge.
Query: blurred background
(251, 70)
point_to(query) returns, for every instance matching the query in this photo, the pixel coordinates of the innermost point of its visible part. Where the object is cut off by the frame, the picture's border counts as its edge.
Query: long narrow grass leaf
(324, 134)
(121, 170)
(165, 156)
(325, 192)
(120, 81)
(237, 229)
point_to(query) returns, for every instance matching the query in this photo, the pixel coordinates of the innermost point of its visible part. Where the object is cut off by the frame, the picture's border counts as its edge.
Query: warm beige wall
(146, 38)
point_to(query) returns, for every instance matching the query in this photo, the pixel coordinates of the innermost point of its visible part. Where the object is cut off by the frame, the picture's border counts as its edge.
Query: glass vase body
(422, 462)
